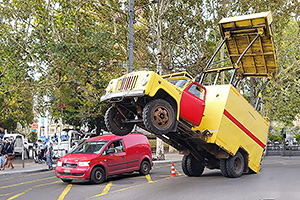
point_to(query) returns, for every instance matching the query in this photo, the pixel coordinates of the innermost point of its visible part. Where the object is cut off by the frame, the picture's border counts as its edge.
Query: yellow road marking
(1, 195)
(40, 185)
(133, 186)
(123, 189)
(23, 183)
(105, 190)
(65, 192)
(148, 177)
(178, 173)
(5, 179)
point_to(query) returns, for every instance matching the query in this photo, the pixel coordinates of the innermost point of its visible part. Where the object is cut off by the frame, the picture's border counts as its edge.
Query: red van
(103, 156)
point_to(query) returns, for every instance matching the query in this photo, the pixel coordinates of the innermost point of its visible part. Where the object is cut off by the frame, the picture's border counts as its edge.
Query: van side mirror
(110, 151)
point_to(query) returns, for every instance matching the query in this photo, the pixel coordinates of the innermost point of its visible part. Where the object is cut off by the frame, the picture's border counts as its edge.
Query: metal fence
(277, 149)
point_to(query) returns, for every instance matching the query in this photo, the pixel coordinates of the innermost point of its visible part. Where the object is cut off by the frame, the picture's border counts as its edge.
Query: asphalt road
(279, 179)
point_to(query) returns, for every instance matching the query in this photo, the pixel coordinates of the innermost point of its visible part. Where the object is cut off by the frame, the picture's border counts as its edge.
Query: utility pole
(130, 39)
(160, 154)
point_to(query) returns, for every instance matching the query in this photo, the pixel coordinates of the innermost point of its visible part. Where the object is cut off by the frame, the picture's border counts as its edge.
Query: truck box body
(234, 123)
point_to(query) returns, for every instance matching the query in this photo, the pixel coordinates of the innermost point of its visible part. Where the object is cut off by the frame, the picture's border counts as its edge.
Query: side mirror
(110, 151)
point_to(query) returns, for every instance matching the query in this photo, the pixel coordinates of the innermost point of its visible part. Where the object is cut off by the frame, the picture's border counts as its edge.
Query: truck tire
(235, 165)
(159, 117)
(184, 165)
(145, 168)
(98, 175)
(113, 122)
(223, 167)
(194, 167)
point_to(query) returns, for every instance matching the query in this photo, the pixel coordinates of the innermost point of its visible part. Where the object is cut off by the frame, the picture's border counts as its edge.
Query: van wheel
(98, 175)
(145, 168)
(194, 167)
(235, 165)
(66, 180)
(159, 117)
(114, 122)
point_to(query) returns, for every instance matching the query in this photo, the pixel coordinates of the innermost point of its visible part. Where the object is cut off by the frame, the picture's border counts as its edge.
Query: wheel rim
(145, 167)
(237, 165)
(161, 116)
(118, 121)
(98, 175)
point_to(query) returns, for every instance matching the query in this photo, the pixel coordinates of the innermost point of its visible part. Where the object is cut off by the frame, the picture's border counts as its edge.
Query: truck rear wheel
(159, 117)
(223, 167)
(235, 165)
(114, 122)
(193, 166)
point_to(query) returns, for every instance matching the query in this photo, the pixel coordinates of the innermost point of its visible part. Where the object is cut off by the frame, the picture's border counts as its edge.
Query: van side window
(117, 145)
(197, 91)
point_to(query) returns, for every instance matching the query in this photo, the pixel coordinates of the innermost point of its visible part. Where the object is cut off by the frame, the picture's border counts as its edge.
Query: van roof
(111, 137)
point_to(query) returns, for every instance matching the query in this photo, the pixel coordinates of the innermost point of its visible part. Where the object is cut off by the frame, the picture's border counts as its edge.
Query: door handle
(123, 156)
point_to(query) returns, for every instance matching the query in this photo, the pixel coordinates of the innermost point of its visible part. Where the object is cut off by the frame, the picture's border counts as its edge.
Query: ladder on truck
(250, 48)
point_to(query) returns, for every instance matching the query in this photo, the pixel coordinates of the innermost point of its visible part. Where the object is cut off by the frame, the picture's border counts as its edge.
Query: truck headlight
(144, 81)
(59, 163)
(109, 87)
(84, 164)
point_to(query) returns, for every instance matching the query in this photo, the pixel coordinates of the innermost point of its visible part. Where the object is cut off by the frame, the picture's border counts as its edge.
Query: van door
(192, 103)
(116, 161)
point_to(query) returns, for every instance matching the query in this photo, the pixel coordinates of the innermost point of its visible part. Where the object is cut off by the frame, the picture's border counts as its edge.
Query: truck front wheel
(191, 166)
(159, 117)
(114, 122)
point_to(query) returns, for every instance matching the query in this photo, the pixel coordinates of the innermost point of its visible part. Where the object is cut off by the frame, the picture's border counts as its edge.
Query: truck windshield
(178, 82)
(90, 147)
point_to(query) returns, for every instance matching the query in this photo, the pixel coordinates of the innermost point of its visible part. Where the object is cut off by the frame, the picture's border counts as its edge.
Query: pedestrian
(49, 156)
(9, 151)
(40, 151)
(3, 157)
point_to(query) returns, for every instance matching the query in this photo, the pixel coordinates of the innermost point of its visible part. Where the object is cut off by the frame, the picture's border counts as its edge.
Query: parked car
(96, 158)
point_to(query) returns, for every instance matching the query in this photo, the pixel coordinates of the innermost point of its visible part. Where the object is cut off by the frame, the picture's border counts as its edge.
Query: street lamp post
(130, 38)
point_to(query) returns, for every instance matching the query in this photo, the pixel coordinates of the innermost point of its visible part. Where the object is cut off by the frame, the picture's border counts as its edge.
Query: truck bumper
(119, 96)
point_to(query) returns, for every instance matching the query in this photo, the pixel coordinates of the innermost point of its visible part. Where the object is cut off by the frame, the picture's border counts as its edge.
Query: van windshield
(90, 147)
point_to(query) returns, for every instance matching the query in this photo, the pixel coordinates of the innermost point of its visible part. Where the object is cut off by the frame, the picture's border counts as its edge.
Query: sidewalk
(31, 166)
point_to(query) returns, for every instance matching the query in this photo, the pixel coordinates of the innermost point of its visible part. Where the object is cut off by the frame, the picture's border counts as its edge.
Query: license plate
(67, 171)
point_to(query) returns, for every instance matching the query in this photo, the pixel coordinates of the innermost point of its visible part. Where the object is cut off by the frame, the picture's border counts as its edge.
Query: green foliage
(275, 138)
(297, 137)
(68, 51)
(32, 136)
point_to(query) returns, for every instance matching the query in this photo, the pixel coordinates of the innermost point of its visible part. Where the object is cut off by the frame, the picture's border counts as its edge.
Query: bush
(274, 138)
(32, 136)
(297, 137)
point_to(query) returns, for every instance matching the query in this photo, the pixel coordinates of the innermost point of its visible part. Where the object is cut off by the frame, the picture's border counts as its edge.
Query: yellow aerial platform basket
(249, 43)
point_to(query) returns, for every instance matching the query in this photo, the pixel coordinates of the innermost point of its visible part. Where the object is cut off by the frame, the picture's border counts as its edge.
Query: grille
(127, 83)
(69, 174)
(69, 165)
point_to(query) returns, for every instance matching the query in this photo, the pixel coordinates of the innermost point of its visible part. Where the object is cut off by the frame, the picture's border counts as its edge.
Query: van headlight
(59, 164)
(84, 164)
(144, 81)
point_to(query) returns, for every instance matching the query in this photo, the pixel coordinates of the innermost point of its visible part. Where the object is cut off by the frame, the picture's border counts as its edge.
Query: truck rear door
(192, 103)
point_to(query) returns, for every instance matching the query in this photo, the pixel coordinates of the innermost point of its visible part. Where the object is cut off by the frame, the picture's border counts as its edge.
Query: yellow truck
(213, 125)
